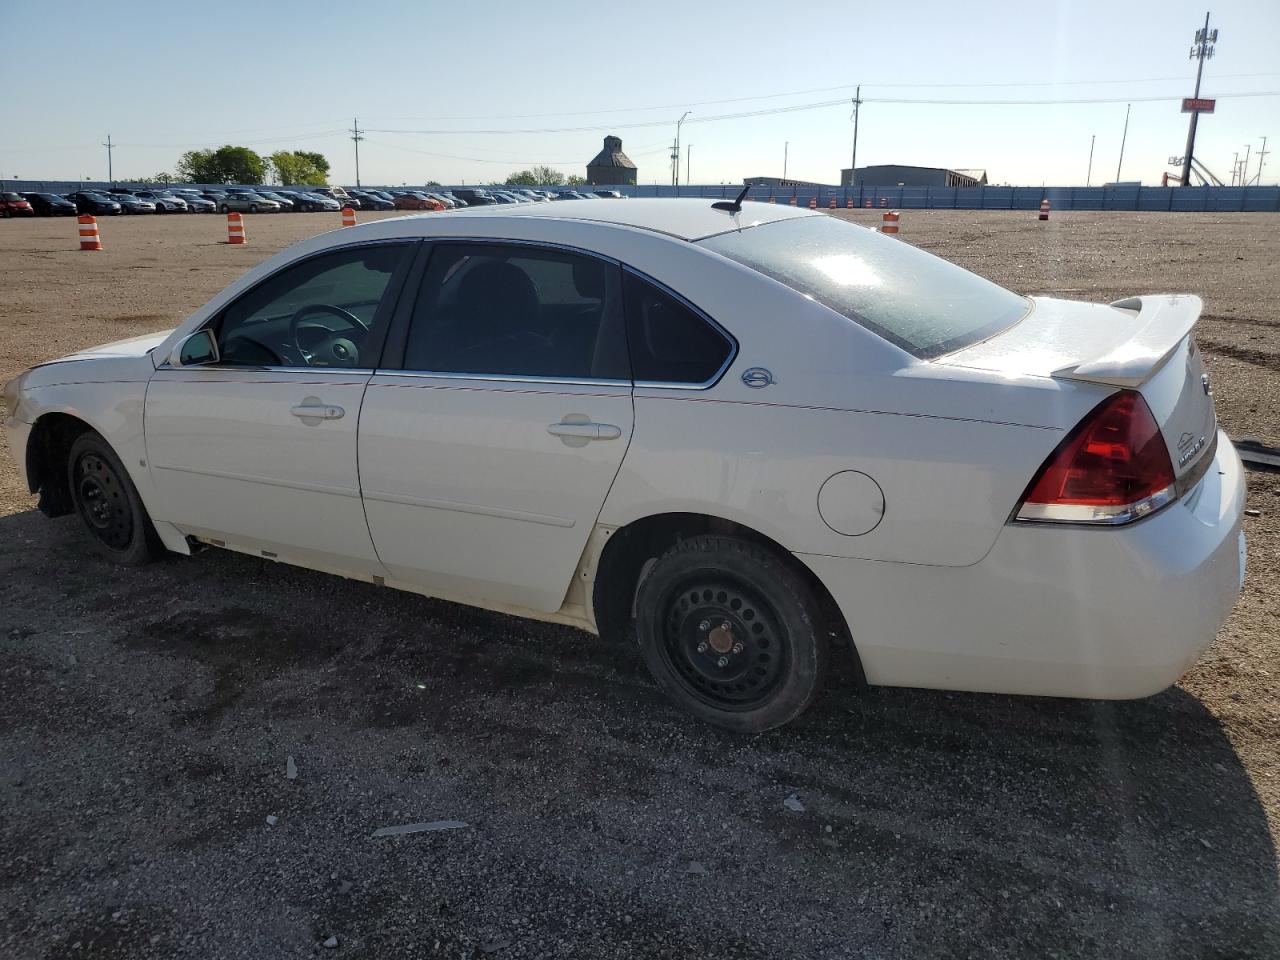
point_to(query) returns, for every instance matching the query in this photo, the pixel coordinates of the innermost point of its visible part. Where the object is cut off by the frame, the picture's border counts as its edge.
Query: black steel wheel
(722, 639)
(732, 633)
(108, 503)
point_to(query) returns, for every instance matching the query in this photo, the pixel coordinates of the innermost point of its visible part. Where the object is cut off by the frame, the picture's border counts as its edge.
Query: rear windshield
(911, 298)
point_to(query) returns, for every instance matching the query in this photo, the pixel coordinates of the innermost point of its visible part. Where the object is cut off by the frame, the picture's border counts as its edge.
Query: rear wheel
(731, 633)
(109, 505)
(253, 208)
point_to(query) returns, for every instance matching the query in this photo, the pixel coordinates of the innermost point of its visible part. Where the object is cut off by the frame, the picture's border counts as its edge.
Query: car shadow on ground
(911, 822)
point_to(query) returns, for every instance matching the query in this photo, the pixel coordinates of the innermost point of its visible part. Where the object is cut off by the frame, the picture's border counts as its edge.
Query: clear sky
(164, 77)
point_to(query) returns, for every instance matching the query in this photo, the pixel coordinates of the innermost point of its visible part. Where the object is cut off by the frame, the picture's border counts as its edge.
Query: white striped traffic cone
(89, 238)
(235, 228)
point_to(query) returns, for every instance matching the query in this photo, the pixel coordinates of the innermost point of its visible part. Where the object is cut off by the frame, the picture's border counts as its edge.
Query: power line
(793, 108)
(847, 86)
(645, 152)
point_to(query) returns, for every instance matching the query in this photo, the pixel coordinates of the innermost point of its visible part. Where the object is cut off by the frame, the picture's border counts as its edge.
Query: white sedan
(760, 437)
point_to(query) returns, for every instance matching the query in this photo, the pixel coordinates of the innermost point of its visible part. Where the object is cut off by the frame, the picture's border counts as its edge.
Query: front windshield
(911, 298)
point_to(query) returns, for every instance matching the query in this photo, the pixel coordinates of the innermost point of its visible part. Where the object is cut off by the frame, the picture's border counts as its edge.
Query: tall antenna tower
(1201, 50)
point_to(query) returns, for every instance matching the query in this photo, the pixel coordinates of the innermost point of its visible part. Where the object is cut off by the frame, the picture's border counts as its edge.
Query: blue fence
(1185, 199)
(1177, 199)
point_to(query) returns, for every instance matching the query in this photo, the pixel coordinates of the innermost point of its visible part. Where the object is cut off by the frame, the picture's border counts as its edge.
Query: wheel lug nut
(702, 647)
(704, 626)
(737, 647)
(726, 626)
(722, 662)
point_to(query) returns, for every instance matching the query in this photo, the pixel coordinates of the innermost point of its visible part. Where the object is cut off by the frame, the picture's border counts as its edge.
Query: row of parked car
(118, 200)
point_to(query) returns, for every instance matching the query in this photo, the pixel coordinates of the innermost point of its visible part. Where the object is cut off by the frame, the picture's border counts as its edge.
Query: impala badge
(757, 377)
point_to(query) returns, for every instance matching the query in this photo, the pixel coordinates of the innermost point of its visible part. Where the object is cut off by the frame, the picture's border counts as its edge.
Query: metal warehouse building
(899, 175)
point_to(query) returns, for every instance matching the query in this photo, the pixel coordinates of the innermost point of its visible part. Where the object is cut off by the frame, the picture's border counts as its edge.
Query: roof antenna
(734, 206)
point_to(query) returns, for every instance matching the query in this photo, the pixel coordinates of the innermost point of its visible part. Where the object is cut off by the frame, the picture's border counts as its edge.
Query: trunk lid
(1140, 343)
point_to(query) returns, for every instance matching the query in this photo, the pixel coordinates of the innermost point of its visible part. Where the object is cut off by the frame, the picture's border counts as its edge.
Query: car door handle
(584, 431)
(309, 410)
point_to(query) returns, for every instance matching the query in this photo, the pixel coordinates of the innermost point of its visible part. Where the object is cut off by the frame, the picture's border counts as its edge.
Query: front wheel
(732, 633)
(109, 505)
(224, 209)
(253, 208)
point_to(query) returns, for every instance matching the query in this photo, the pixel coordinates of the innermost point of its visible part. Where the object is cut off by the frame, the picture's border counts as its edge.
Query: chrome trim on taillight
(1108, 515)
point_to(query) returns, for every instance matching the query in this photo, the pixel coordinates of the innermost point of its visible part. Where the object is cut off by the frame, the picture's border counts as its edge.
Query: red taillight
(1113, 468)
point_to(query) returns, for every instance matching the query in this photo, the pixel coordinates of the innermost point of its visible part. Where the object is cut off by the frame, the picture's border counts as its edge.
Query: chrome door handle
(588, 430)
(311, 409)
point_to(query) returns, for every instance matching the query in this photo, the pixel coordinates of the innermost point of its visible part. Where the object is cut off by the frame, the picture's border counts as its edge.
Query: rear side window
(522, 311)
(668, 340)
(911, 298)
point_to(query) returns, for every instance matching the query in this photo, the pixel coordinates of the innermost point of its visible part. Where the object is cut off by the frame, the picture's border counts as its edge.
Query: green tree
(163, 177)
(225, 165)
(536, 177)
(300, 167)
(548, 176)
(574, 180)
(199, 166)
(434, 183)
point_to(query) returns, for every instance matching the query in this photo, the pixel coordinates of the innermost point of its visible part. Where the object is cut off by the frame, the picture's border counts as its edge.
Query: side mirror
(195, 350)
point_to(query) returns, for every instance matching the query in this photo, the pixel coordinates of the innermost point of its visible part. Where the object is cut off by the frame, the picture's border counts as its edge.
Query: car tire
(108, 503)
(223, 209)
(732, 633)
(253, 208)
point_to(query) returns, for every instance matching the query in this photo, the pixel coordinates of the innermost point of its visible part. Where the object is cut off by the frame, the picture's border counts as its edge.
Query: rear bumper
(1053, 610)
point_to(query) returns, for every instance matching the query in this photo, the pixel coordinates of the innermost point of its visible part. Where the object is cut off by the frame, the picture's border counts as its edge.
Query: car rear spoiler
(1160, 323)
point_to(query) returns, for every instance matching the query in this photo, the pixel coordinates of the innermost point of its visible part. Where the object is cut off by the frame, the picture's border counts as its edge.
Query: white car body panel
(470, 463)
(468, 497)
(1117, 613)
(230, 461)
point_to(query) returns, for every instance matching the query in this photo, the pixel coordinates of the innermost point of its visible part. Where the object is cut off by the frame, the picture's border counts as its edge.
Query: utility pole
(111, 177)
(1201, 50)
(1088, 177)
(357, 135)
(853, 160)
(1261, 155)
(688, 162)
(786, 147)
(1123, 137)
(1235, 167)
(675, 152)
(1244, 181)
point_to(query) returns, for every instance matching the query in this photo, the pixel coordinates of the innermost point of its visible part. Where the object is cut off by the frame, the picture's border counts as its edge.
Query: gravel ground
(146, 717)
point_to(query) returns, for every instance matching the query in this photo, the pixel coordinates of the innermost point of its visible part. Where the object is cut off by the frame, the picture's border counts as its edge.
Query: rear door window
(520, 311)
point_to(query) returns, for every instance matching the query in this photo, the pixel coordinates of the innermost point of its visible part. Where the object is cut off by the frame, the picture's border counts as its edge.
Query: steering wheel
(336, 351)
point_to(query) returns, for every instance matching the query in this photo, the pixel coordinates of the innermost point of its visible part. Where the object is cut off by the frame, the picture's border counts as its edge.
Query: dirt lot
(146, 717)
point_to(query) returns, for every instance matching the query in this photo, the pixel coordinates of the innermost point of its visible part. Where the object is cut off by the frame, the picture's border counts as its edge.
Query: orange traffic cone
(235, 228)
(849, 204)
(813, 203)
(1044, 210)
(348, 217)
(884, 201)
(889, 223)
(868, 203)
(89, 238)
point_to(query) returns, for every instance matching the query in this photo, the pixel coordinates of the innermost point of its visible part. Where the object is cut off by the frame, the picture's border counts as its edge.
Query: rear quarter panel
(952, 450)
